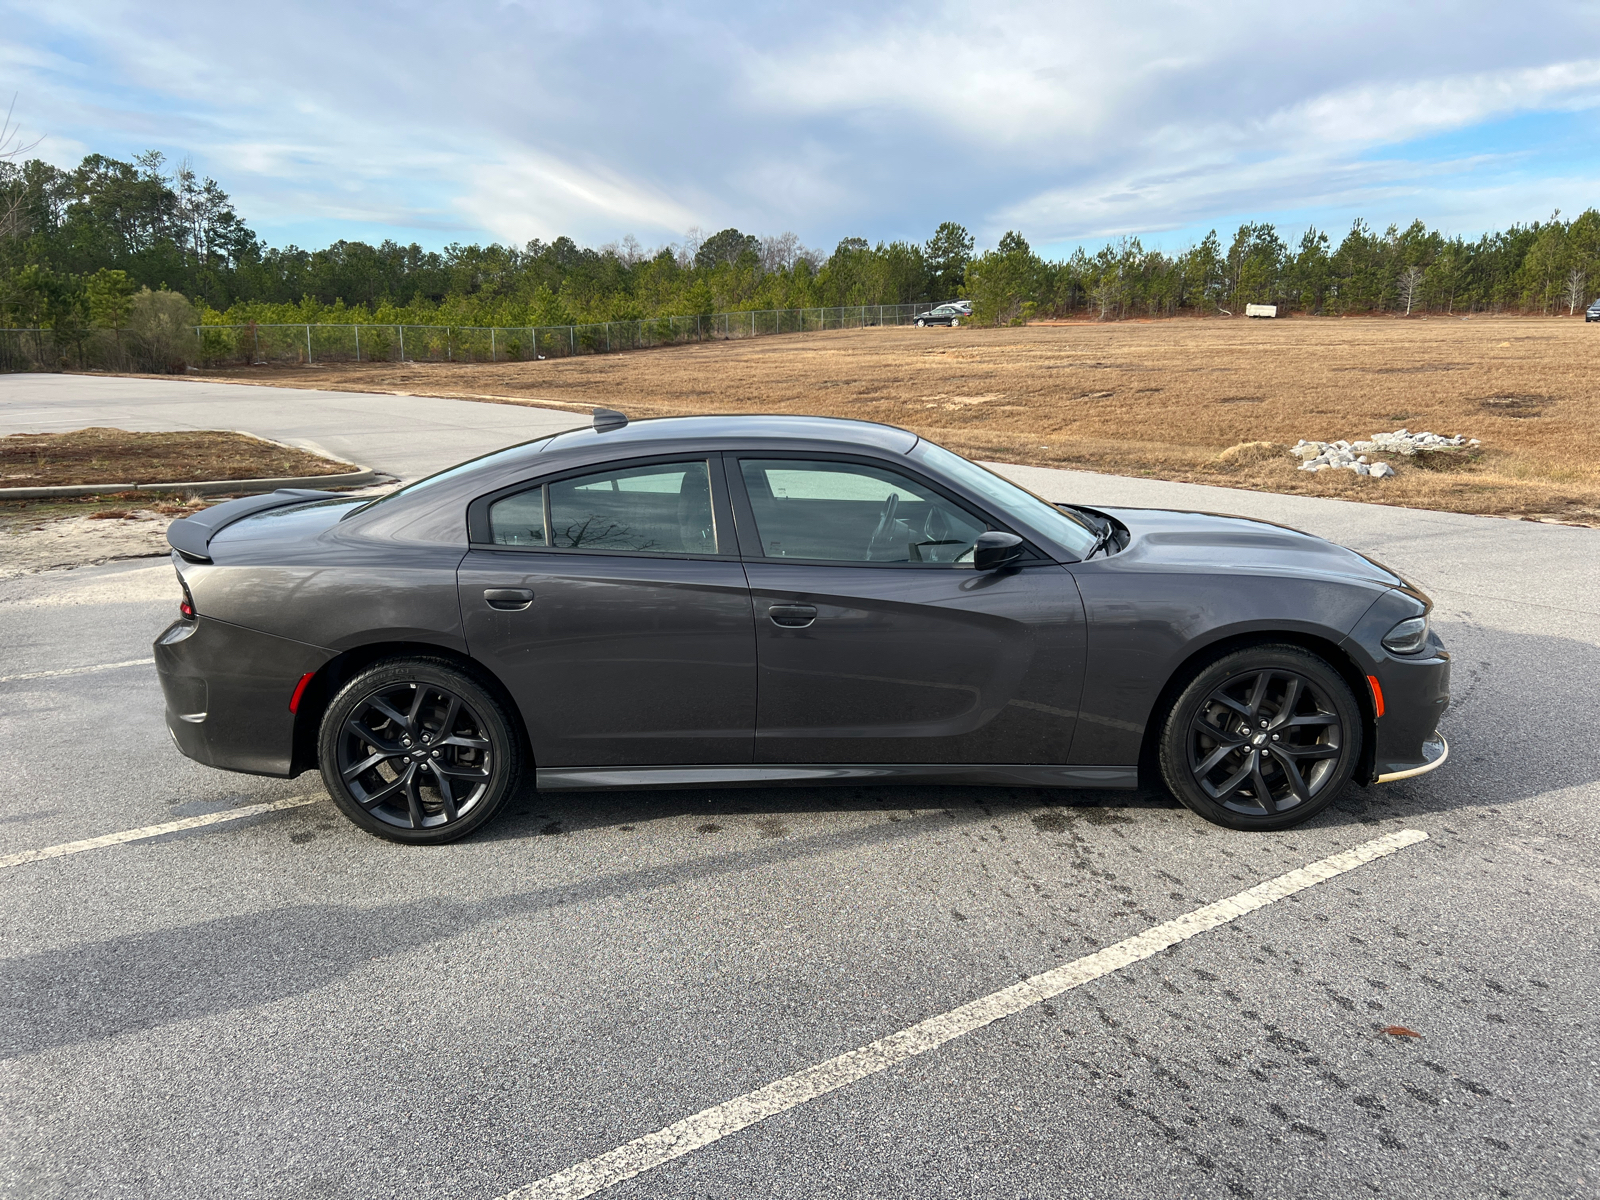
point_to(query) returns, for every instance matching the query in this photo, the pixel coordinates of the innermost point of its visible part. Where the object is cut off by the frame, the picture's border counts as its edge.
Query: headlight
(1407, 637)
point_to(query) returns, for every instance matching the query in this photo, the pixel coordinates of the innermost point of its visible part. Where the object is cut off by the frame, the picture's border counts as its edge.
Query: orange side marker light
(300, 690)
(1372, 682)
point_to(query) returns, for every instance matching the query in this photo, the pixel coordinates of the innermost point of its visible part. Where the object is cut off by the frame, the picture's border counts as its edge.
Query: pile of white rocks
(1352, 456)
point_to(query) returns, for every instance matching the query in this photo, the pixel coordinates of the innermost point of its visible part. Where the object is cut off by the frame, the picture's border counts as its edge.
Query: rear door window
(659, 508)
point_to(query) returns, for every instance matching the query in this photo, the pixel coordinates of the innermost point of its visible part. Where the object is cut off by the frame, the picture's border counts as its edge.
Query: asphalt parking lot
(406, 436)
(281, 1005)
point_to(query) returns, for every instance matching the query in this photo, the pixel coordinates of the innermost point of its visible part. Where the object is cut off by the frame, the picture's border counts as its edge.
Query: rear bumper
(227, 693)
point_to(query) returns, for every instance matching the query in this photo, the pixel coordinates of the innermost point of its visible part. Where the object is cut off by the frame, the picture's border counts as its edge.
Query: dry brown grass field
(1180, 399)
(118, 456)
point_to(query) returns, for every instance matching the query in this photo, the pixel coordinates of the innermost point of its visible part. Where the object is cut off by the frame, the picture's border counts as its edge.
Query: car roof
(406, 513)
(736, 427)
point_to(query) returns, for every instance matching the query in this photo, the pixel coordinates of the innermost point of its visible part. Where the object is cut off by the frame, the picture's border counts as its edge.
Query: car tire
(419, 751)
(921, 324)
(954, 321)
(1276, 720)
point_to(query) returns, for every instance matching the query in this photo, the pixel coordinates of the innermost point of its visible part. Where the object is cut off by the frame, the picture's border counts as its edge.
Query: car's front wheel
(418, 751)
(1263, 738)
(921, 324)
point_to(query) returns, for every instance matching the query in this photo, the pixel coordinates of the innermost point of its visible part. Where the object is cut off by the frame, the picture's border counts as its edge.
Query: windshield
(1067, 530)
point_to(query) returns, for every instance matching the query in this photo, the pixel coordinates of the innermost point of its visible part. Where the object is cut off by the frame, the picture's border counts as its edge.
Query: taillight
(186, 605)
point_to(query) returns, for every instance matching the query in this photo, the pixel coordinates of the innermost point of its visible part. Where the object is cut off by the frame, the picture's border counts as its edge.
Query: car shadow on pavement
(104, 989)
(571, 812)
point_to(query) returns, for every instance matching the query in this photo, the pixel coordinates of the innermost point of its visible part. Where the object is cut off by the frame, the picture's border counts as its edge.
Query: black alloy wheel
(415, 750)
(1263, 738)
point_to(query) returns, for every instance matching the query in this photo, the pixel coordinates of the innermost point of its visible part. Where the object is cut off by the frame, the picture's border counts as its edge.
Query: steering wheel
(885, 521)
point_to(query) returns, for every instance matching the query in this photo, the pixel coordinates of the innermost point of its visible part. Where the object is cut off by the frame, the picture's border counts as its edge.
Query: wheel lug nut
(1274, 737)
(436, 754)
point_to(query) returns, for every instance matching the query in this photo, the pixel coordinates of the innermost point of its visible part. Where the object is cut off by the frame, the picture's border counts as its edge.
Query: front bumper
(1416, 695)
(227, 691)
(1435, 751)
(1408, 694)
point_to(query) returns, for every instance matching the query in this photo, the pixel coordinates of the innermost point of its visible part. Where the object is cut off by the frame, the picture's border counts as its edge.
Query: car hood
(1167, 539)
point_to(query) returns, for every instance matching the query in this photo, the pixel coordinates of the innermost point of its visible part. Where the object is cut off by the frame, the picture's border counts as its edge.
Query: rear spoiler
(191, 536)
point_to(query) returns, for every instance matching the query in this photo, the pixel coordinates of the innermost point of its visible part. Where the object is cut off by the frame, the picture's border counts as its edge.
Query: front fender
(1143, 626)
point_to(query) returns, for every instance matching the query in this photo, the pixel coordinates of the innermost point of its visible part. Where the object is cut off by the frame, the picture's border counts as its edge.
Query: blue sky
(1072, 122)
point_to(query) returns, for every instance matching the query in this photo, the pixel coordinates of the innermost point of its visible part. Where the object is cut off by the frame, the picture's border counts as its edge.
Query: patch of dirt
(1515, 404)
(79, 541)
(79, 531)
(1247, 454)
(1323, 379)
(98, 455)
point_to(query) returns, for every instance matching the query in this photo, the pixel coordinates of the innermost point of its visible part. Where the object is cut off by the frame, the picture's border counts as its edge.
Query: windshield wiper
(1102, 540)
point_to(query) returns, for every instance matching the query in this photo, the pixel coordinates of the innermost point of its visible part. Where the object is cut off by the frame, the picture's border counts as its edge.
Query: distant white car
(1593, 313)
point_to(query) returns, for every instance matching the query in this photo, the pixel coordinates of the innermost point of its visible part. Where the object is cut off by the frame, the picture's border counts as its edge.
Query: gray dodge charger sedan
(757, 600)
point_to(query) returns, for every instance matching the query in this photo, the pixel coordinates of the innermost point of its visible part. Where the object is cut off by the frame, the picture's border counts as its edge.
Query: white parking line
(149, 831)
(713, 1124)
(132, 662)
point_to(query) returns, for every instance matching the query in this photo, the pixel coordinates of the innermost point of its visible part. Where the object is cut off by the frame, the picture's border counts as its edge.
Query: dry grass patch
(1204, 401)
(117, 456)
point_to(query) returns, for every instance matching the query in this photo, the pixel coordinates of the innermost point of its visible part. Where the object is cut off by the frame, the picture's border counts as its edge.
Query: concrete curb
(209, 487)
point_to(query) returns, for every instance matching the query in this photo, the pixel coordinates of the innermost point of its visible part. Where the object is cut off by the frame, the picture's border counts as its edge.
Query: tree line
(108, 243)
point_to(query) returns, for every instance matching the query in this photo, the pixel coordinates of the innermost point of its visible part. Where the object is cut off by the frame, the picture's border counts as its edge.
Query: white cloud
(1068, 118)
(1386, 113)
(526, 194)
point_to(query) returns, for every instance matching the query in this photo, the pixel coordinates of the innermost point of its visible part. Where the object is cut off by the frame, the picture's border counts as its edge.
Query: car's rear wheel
(1263, 738)
(954, 321)
(418, 751)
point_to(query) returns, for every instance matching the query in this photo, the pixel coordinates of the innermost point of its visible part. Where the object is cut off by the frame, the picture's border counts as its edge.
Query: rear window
(518, 520)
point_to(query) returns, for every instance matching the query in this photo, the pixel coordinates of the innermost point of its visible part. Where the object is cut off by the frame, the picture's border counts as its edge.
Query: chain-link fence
(228, 345)
(86, 349)
(276, 344)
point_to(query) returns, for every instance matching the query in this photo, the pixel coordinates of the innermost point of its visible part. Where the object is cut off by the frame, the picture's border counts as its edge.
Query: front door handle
(508, 599)
(792, 616)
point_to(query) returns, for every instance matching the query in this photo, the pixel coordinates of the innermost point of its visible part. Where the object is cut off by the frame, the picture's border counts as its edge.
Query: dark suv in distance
(945, 314)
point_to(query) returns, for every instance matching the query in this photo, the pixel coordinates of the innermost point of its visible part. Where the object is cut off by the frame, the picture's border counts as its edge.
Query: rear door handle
(508, 599)
(792, 616)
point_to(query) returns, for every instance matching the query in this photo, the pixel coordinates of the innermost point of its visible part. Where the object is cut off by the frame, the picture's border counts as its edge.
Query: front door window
(849, 512)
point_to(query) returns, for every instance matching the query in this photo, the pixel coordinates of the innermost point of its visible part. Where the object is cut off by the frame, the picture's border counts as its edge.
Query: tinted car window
(518, 520)
(846, 512)
(663, 508)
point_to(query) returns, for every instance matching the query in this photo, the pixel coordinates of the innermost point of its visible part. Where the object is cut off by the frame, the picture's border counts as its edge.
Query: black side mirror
(994, 550)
